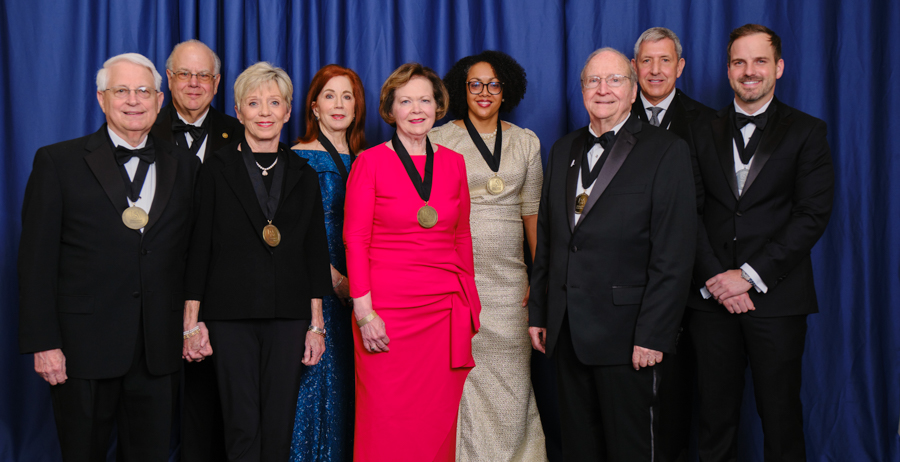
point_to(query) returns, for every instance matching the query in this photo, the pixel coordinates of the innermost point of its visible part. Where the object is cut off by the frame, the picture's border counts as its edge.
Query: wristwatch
(747, 278)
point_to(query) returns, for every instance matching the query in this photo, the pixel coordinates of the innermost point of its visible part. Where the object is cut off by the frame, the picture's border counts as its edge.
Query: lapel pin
(224, 135)
(573, 163)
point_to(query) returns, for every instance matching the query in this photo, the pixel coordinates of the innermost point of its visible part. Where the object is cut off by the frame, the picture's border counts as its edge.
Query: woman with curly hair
(498, 417)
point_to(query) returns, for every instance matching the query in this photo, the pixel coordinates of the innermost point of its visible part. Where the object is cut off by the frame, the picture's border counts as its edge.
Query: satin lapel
(770, 140)
(166, 170)
(575, 154)
(292, 175)
(235, 174)
(164, 124)
(625, 142)
(724, 144)
(102, 163)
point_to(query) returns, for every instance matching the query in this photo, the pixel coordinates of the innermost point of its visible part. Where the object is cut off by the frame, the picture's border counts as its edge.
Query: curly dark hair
(510, 73)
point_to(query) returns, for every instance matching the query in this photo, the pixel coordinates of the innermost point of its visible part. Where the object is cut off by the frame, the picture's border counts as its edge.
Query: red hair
(356, 133)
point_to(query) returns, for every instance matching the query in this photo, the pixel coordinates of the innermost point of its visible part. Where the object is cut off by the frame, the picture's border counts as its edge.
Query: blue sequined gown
(323, 427)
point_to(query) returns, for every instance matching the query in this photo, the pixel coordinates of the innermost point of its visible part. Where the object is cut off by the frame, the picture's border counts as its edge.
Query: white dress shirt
(664, 104)
(148, 190)
(594, 155)
(201, 153)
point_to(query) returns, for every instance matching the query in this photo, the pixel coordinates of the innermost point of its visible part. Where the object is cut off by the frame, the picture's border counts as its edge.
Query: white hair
(135, 58)
(655, 34)
(216, 61)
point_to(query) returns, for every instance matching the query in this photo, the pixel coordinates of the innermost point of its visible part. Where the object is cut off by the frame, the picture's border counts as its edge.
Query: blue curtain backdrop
(838, 67)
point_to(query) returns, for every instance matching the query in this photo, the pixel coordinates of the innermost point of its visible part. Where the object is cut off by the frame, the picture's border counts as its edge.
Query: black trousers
(773, 347)
(607, 413)
(202, 432)
(139, 403)
(258, 366)
(677, 374)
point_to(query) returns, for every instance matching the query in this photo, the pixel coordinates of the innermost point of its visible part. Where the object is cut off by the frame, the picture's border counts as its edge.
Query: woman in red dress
(409, 258)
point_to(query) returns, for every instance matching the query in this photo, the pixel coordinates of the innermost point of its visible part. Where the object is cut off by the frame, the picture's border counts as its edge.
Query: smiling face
(608, 106)
(414, 107)
(335, 105)
(131, 117)
(752, 71)
(263, 112)
(483, 106)
(192, 97)
(658, 68)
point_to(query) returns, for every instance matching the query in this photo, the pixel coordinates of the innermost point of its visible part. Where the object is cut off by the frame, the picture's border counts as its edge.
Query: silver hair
(632, 74)
(216, 60)
(134, 58)
(258, 74)
(655, 34)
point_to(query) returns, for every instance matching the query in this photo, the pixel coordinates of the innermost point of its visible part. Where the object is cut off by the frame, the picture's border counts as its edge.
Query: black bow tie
(743, 119)
(605, 140)
(179, 126)
(146, 154)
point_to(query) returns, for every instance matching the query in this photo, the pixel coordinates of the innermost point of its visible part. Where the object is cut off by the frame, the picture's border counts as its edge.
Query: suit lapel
(771, 138)
(292, 175)
(721, 128)
(572, 169)
(235, 174)
(676, 118)
(102, 162)
(164, 124)
(220, 133)
(625, 142)
(638, 109)
(166, 170)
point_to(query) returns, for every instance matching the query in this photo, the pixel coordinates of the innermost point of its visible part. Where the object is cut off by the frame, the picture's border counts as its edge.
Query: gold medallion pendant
(427, 216)
(495, 185)
(271, 235)
(580, 202)
(135, 217)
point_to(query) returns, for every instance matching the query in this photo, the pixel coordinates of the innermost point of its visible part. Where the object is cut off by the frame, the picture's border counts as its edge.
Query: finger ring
(651, 362)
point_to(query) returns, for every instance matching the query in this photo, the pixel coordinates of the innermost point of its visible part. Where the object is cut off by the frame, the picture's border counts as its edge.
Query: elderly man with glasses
(615, 243)
(190, 122)
(105, 225)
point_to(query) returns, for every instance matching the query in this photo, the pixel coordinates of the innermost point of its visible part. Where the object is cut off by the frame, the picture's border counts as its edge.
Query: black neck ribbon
(326, 143)
(134, 186)
(268, 200)
(422, 185)
(746, 152)
(588, 174)
(493, 161)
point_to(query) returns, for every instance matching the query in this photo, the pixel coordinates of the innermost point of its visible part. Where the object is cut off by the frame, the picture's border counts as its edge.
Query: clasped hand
(730, 290)
(197, 347)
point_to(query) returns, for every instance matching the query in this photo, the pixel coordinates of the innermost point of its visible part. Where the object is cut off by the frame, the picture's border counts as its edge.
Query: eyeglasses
(612, 81)
(476, 87)
(184, 76)
(123, 92)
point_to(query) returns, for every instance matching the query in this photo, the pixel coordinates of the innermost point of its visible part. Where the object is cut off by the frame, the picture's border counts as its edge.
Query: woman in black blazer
(259, 264)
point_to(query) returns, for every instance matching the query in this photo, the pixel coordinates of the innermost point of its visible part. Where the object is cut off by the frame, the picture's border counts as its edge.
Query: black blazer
(622, 272)
(87, 282)
(223, 129)
(231, 269)
(774, 224)
(682, 113)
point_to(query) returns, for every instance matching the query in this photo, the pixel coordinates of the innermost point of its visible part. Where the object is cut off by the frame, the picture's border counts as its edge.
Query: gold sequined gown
(498, 417)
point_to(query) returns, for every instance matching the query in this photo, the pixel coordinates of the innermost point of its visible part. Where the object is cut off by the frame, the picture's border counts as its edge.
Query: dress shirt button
(136, 295)
(574, 248)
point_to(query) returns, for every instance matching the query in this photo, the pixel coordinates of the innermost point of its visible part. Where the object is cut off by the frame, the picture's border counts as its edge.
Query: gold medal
(427, 216)
(495, 185)
(271, 235)
(135, 217)
(580, 202)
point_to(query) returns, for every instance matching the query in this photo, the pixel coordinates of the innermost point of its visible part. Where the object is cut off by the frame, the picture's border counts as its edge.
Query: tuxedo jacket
(223, 129)
(87, 283)
(231, 269)
(773, 225)
(622, 272)
(679, 117)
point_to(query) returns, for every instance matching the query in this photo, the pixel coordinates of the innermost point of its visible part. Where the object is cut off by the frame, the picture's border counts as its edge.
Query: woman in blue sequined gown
(335, 119)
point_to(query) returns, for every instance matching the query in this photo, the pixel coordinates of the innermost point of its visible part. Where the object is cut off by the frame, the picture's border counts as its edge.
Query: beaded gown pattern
(498, 417)
(323, 427)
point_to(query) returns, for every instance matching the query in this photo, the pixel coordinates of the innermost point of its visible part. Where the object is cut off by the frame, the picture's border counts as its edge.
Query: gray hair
(655, 34)
(256, 75)
(216, 60)
(134, 58)
(632, 74)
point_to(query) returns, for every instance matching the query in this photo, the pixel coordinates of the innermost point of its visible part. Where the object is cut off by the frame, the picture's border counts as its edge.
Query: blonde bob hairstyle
(400, 77)
(258, 74)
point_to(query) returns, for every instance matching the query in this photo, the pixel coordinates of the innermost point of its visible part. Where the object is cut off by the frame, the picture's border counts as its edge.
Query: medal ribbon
(147, 156)
(268, 201)
(588, 174)
(335, 156)
(422, 185)
(493, 160)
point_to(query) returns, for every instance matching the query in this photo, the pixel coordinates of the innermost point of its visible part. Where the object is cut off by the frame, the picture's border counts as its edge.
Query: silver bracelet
(316, 330)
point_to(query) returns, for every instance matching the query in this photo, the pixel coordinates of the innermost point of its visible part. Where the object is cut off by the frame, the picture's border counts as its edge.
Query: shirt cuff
(705, 293)
(757, 281)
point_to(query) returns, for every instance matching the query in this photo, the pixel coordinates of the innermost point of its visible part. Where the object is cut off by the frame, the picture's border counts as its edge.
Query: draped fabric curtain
(838, 67)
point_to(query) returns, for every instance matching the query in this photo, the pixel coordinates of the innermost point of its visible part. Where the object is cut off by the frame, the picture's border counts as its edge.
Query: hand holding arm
(738, 304)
